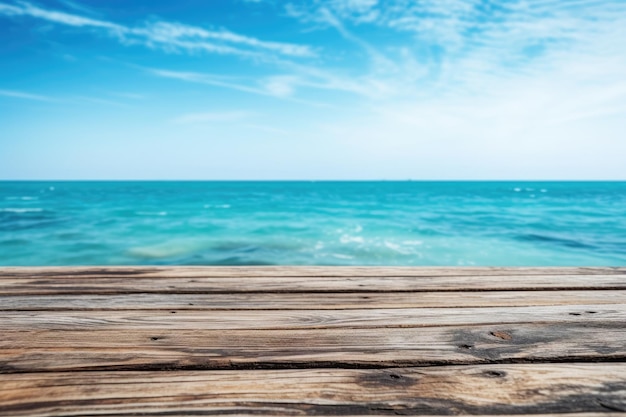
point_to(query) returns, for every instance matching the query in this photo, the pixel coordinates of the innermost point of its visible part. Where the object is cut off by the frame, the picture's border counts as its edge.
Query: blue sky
(335, 89)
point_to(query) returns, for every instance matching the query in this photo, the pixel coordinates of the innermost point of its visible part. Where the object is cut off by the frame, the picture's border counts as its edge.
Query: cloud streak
(169, 36)
(468, 44)
(474, 47)
(394, 88)
(208, 79)
(278, 87)
(27, 9)
(25, 96)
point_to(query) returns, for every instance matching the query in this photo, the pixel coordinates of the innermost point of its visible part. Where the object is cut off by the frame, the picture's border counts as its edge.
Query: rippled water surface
(305, 223)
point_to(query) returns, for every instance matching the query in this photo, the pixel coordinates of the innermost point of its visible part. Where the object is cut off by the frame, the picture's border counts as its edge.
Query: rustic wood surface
(312, 341)
(299, 301)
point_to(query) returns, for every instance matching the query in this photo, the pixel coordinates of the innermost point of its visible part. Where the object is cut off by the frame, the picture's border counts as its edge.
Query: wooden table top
(175, 341)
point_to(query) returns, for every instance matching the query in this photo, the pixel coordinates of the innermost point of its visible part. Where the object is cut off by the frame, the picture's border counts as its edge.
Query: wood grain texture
(509, 389)
(129, 320)
(312, 341)
(224, 285)
(167, 349)
(310, 301)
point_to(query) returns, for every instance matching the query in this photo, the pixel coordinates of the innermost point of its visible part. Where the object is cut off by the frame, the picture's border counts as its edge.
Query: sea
(399, 223)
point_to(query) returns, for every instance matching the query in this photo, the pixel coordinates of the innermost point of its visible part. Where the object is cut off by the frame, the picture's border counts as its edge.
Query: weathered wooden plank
(153, 349)
(128, 285)
(303, 301)
(205, 329)
(296, 271)
(487, 389)
(308, 319)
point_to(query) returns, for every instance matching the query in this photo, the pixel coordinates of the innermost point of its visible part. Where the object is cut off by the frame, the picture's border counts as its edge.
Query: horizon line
(313, 180)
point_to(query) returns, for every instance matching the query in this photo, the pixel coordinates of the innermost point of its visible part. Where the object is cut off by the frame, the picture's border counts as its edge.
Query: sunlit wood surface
(175, 341)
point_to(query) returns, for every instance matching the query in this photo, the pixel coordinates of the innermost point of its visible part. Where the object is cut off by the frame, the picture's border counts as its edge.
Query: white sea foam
(166, 249)
(223, 206)
(517, 190)
(543, 190)
(351, 239)
(24, 198)
(341, 256)
(21, 210)
(397, 248)
(155, 252)
(413, 242)
(152, 213)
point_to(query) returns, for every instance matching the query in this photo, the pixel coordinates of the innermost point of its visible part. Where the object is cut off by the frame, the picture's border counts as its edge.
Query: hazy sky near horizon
(334, 89)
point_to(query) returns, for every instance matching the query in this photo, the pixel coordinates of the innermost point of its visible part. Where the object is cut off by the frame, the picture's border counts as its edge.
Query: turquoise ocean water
(313, 223)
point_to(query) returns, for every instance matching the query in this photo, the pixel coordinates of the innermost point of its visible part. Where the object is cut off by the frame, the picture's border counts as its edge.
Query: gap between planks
(130, 285)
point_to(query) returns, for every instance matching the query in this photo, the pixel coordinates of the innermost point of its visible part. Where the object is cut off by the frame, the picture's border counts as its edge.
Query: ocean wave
(23, 198)
(14, 242)
(163, 251)
(570, 243)
(14, 219)
(21, 210)
(238, 261)
(151, 213)
(351, 239)
(397, 248)
(306, 224)
(529, 190)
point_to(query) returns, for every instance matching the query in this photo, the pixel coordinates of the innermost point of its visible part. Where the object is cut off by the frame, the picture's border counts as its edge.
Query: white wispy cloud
(79, 7)
(27, 9)
(9, 10)
(177, 35)
(24, 95)
(523, 86)
(208, 79)
(438, 48)
(279, 87)
(358, 11)
(169, 36)
(65, 99)
(468, 42)
(379, 61)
